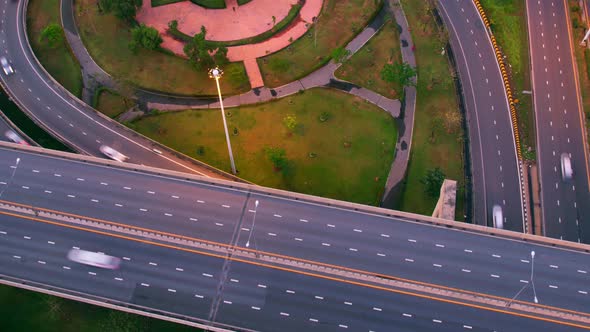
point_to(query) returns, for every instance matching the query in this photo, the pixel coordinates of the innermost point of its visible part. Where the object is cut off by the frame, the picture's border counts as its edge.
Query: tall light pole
(253, 223)
(11, 176)
(532, 272)
(527, 284)
(216, 73)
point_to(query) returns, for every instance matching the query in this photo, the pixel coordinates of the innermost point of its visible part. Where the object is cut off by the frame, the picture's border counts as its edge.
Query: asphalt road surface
(70, 119)
(253, 297)
(297, 229)
(495, 170)
(560, 124)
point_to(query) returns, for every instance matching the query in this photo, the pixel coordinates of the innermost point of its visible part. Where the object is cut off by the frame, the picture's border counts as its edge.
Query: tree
(340, 54)
(199, 51)
(52, 35)
(123, 9)
(146, 37)
(277, 156)
(220, 56)
(433, 181)
(400, 73)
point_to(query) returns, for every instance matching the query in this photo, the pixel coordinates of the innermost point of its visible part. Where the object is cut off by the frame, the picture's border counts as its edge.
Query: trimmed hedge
(210, 4)
(293, 13)
(156, 3)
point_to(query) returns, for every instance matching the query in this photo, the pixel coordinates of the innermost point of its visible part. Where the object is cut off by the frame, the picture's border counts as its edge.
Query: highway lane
(495, 169)
(301, 230)
(559, 122)
(70, 119)
(253, 297)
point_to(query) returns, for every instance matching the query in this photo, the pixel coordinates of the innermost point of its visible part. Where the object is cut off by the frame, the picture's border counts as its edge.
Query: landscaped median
(107, 40)
(438, 138)
(582, 57)
(337, 24)
(56, 58)
(320, 142)
(507, 21)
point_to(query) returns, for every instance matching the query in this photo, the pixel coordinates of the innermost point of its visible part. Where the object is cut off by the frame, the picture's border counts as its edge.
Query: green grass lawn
(338, 23)
(351, 152)
(112, 104)
(364, 67)
(58, 61)
(582, 60)
(107, 40)
(23, 310)
(436, 143)
(508, 21)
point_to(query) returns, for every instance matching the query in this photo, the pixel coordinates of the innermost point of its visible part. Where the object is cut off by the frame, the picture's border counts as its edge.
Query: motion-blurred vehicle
(95, 259)
(566, 167)
(112, 153)
(498, 217)
(6, 66)
(11, 135)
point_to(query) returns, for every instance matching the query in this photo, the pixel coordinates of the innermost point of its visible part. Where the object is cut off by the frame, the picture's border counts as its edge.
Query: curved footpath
(94, 76)
(406, 125)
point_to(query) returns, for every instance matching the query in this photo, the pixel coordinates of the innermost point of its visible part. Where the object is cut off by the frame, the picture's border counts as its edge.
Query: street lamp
(253, 221)
(532, 271)
(527, 284)
(216, 74)
(11, 176)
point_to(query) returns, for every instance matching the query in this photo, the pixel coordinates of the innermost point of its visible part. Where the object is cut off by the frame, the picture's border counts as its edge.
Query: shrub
(432, 181)
(290, 121)
(277, 156)
(200, 150)
(123, 9)
(400, 73)
(325, 116)
(52, 35)
(146, 37)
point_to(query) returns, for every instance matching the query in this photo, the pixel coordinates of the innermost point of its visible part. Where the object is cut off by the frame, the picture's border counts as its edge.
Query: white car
(112, 153)
(566, 167)
(498, 217)
(11, 135)
(95, 259)
(6, 66)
